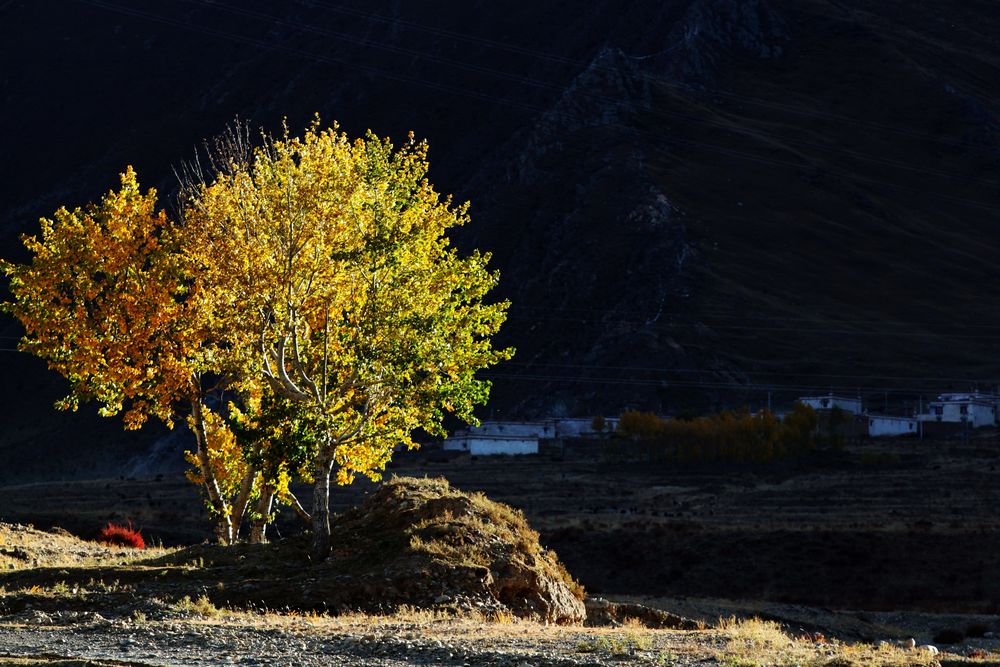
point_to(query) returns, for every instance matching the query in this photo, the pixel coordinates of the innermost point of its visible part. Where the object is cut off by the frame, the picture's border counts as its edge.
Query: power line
(709, 384)
(823, 331)
(710, 371)
(727, 315)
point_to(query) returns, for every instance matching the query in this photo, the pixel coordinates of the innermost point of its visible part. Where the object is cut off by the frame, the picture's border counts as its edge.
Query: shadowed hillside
(690, 202)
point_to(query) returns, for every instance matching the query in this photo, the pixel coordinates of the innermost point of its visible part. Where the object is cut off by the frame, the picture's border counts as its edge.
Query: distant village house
(516, 438)
(975, 408)
(848, 405)
(887, 426)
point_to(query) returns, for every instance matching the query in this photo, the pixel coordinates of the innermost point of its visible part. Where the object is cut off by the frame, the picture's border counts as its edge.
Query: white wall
(978, 414)
(529, 429)
(890, 426)
(569, 427)
(478, 445)
(851, 405)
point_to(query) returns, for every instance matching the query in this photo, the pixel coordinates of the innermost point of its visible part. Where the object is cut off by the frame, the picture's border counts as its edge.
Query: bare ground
(876, 542)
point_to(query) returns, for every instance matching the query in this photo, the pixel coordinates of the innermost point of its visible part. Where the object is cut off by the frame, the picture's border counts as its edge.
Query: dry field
(897, 526)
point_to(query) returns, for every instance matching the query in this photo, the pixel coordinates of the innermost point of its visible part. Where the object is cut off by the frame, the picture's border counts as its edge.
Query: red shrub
(122, 536)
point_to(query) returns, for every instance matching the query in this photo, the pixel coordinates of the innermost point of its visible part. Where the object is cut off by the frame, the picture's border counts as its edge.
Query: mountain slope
(692, 203)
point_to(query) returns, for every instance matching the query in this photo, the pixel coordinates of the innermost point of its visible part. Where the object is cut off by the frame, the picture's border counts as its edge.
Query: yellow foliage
(328, 263)
(318, 270)
(106, 304)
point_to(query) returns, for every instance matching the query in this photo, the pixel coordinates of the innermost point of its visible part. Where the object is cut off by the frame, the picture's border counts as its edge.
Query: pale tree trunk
(321, 508)
(258, 528)
(243, 501)
(224, 525)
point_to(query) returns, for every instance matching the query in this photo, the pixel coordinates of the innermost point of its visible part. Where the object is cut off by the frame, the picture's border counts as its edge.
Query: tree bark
(242, 502)
(321, 509)
(224, 525)
(258, 528)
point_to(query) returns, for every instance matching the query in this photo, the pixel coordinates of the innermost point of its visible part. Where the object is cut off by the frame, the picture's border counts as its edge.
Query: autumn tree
(330, 268)
(108, 302)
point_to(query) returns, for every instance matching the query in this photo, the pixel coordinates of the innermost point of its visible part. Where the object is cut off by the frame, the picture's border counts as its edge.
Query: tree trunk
(258, 529)
(242, 502)
(224, 525)
(321, 509)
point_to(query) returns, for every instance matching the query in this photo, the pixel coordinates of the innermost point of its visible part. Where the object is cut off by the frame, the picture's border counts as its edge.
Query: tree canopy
(311, 278)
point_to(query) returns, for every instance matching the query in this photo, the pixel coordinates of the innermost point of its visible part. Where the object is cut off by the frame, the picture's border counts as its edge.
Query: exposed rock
(602, 612)
(714, 28)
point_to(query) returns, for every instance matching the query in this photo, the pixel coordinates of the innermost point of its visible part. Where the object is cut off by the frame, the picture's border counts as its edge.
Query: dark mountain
(691, 202)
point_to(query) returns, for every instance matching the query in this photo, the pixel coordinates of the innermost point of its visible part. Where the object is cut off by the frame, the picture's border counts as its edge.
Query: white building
(977, 409)
(520, 429)
(490, 445)
(849, 405)
(884, 426)
(554, 427)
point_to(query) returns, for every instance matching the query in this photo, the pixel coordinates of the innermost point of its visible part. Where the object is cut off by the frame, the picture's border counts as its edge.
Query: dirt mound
(420, 542)
(414, 542)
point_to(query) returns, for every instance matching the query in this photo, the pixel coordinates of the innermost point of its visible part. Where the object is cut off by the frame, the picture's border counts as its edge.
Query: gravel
(242, 642)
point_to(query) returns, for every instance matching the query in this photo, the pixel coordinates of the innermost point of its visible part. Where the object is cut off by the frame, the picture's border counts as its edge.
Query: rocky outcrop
(601, 612)
(712, 29)
(603, 259)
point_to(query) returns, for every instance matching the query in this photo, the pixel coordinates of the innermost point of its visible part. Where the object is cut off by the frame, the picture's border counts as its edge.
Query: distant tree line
(730, 436)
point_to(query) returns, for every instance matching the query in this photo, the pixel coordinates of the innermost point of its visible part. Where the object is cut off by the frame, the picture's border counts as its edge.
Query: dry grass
(758, 643)
(444, 534)
(200, 606)
(24, 547)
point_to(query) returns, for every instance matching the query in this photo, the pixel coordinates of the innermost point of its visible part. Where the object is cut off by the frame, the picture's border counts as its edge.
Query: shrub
(121, 536)
(201, 607)
(735, 436)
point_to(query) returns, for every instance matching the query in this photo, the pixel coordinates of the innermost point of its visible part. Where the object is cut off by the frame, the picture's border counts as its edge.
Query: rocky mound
(420, 542)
